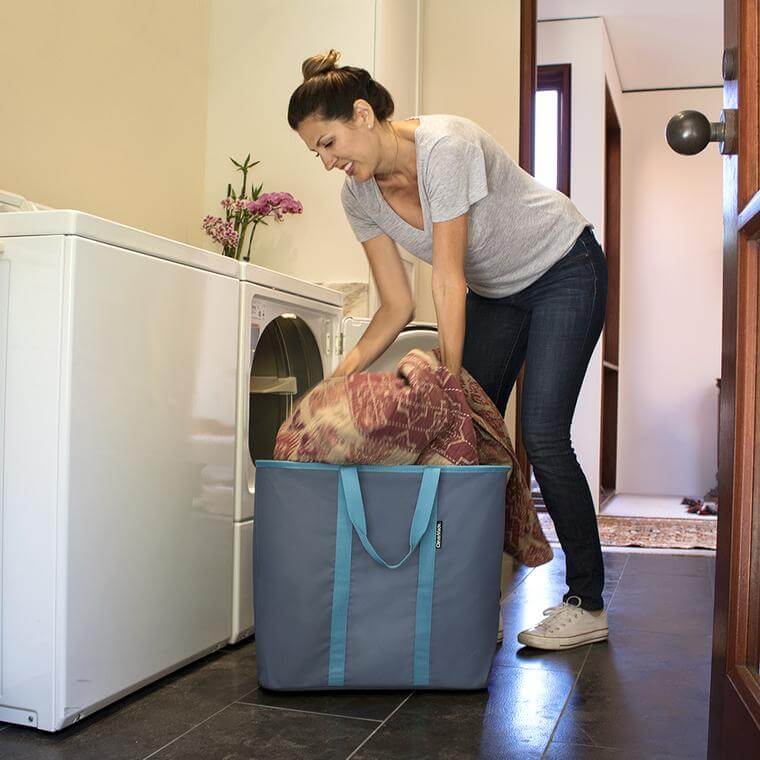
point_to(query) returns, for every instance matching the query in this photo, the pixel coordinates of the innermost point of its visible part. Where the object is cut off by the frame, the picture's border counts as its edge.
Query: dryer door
(422, 335)
(286, 363)
(285, 348)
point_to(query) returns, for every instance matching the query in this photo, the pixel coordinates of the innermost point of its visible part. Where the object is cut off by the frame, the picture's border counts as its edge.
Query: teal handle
(349, 479)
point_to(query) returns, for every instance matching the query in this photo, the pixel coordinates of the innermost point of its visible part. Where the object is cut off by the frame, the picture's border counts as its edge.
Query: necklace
(396, 156)
(384, 177)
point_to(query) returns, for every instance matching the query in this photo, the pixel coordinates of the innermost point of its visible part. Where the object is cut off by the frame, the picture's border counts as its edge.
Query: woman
(518, 277)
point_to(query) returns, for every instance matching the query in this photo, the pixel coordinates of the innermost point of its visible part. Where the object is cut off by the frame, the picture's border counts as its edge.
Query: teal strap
(421, 532)
(423, 623)
(420, 520)
(341, 587)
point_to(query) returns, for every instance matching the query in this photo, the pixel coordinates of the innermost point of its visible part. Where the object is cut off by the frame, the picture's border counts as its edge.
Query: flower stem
(250, 241)
(241, 239)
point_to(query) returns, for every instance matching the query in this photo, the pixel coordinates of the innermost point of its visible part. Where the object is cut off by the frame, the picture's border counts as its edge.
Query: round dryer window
(286, 364)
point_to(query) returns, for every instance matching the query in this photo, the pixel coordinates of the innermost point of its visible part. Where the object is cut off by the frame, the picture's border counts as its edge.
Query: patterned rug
(649, 532)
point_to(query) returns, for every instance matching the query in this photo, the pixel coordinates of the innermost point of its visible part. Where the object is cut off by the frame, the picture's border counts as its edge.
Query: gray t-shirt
(517, 228)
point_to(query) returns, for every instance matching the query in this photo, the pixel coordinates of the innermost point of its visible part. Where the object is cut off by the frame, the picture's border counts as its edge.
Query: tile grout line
(521, 581)
(580, 670)
(617, 586)
(380, 726)
(308, 712)
(184, 733)
(272, 707)
(248, 693)
(567, 699)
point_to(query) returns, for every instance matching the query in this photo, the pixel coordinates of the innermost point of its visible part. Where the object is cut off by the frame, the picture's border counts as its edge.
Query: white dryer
(118, 373)
(292, 335)
(287, 344)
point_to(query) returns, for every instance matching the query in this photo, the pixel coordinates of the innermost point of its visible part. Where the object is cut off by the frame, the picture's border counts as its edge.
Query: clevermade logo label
(438, 534)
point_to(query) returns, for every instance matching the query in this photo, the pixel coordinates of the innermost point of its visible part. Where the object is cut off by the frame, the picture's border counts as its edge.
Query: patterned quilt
(419, 415)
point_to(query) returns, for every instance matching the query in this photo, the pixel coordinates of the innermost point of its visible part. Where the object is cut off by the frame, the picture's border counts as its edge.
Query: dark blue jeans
(552, 326)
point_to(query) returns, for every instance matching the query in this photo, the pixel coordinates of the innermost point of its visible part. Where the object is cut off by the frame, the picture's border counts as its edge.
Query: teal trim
(423, 622)
(409, 468)
(426, 499)
(341, 587)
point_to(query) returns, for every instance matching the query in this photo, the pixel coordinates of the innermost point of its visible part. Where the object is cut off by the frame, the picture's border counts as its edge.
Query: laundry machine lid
(289, 284)
(421, 335)
(70, 222)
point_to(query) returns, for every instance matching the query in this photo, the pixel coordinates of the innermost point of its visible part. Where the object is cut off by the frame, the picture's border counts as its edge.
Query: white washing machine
(292, 335)
(118, 379)
(422, 335)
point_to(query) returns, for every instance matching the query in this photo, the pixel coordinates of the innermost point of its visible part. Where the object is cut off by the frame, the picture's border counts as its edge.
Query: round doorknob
(689, 132)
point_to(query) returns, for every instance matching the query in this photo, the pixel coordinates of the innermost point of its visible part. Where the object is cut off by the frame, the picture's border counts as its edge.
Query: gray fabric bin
(371, 577)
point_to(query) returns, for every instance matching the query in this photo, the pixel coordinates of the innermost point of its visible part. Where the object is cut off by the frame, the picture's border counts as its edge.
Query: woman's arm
(396, 306)
(450, 288)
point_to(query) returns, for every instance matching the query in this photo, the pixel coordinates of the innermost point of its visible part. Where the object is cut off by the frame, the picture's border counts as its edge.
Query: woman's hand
(348, 366)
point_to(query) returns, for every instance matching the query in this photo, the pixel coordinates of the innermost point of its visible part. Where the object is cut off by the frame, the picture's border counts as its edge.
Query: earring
(369, 126)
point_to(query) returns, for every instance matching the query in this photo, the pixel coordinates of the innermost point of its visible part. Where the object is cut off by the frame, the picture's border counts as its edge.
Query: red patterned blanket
(420, 415)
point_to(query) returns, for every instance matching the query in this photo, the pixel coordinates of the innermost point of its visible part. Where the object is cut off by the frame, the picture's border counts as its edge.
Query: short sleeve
(361, 223)
(455, 178)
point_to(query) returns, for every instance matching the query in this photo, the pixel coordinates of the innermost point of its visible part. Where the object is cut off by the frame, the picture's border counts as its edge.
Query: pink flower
(273, 204)
(282, 203)
(260, 207)
(220, 231)
(232, 205)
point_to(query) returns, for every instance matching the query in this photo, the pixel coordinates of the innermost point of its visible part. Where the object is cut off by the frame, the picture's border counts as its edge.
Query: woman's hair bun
(329, 92)
(319, 64)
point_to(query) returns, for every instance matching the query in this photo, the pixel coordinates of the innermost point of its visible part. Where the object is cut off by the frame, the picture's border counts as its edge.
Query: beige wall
(104, 108)
(671, 279)
(471, 67)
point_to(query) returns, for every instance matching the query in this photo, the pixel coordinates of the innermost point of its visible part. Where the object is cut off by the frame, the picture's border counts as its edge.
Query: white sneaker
(566, 626)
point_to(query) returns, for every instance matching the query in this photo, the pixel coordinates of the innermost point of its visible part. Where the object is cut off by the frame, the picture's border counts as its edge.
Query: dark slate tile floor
(644, 694)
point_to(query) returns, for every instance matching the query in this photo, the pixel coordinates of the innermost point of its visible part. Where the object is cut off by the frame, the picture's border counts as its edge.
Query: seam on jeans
(574, 254)
(591, 314)
(509, 359)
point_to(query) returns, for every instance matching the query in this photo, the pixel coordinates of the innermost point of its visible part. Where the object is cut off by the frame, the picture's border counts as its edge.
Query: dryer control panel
(258, 320)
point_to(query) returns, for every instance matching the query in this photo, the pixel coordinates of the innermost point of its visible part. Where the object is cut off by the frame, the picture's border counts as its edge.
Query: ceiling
(656, 43)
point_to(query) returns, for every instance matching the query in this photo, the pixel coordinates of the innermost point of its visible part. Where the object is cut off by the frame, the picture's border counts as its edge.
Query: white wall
(471, 67)
(397, 67)
(256, 51)
(255, 55)
(671, 277)
(584, 45)
(397, 64)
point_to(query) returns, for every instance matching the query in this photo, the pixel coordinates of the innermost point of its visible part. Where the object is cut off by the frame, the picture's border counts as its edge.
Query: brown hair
(329, 92)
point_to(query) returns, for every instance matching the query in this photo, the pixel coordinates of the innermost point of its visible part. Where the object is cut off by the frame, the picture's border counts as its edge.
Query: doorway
(611, 337)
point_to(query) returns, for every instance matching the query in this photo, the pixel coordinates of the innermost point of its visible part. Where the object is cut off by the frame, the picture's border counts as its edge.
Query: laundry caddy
(373, 577)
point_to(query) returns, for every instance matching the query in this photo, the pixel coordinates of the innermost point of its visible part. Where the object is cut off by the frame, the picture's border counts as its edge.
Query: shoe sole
(555, 643)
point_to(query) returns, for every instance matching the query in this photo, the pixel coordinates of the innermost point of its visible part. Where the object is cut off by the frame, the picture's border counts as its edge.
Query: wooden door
(735, 687)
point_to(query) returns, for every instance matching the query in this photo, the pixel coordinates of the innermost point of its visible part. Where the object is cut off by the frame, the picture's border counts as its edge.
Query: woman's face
(342, 145)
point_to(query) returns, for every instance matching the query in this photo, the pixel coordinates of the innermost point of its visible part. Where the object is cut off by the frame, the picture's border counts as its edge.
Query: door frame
(528, 74)
(735, 684)
(611, 335)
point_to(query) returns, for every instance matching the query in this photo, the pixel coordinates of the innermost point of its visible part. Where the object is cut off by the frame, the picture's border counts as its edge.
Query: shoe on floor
(566, 626)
